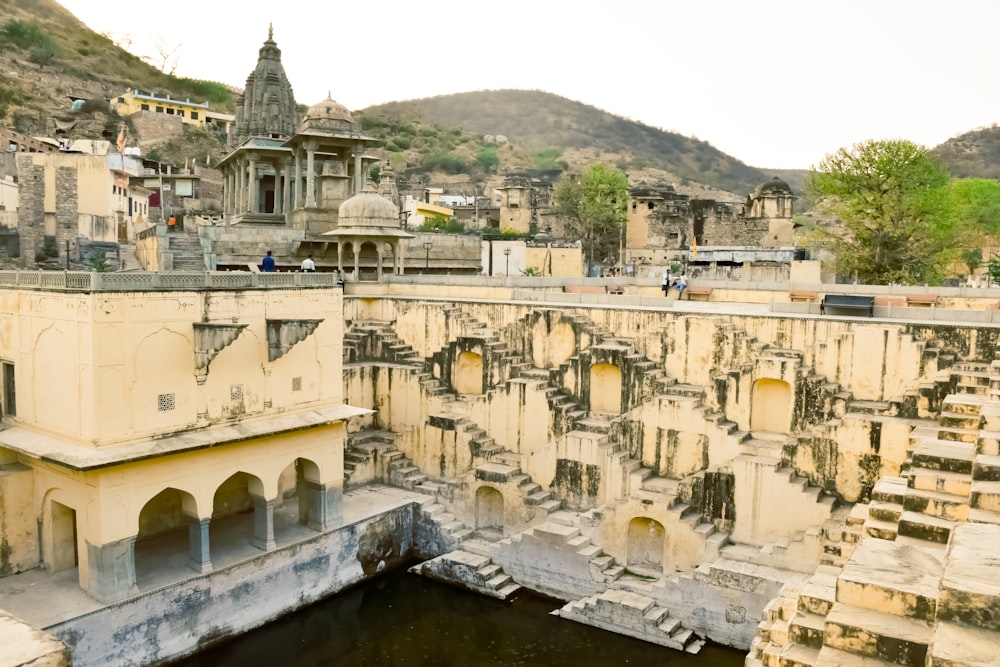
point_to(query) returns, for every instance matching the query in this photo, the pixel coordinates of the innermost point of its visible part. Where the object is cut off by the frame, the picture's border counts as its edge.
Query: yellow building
(192, 113)
(135, 421)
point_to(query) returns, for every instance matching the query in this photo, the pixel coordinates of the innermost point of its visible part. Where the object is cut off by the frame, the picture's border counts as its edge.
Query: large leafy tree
(892, 198)
(595, 205)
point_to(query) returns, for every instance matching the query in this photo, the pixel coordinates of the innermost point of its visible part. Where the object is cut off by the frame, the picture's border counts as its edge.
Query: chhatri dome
(368, 209)
(326, 117)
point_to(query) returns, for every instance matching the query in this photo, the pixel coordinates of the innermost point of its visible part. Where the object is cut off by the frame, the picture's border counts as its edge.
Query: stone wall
(154, 129)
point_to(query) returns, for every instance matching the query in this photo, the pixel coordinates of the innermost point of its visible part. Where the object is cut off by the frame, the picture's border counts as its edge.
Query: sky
(774, 83)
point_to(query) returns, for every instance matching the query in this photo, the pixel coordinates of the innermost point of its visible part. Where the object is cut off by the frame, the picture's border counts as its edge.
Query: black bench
(848, 302)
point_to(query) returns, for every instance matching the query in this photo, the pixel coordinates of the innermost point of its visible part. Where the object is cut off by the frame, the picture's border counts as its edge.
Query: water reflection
(403, 619)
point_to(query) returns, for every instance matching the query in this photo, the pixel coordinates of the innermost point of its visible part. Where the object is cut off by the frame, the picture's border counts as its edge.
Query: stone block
(960, 646)
(865, 632)
(887, 576)
(970, 585)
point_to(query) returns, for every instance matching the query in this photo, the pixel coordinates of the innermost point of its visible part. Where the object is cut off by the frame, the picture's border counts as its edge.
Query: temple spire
(270, 31)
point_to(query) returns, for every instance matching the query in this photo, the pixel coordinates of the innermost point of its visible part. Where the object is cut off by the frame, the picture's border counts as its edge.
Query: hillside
(974, 154)
(49, 57)
(541, 125)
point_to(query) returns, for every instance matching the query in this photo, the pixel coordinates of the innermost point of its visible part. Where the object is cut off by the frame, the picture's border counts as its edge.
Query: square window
(236, 392)
(165, 402)
(297, 384)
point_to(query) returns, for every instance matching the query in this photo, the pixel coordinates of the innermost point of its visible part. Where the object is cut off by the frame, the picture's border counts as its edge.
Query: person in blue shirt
(267, 264)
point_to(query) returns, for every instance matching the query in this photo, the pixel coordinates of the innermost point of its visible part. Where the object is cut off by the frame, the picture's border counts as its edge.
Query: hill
(543, 126)
(50, 57)
(974, 154)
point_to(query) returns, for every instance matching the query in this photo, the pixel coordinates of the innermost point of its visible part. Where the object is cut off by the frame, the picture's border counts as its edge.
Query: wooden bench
(698, 293)
(884, 301)
(848, 302)
(802, 295)
(921, 300)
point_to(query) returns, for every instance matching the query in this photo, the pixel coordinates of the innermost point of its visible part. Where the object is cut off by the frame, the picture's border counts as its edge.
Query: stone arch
(552, 345)
(645, 542)
(467, 375)
(771, 406)
(63, 551)
(606, 388)
(162, 546)
(369, 261)
(489, 509)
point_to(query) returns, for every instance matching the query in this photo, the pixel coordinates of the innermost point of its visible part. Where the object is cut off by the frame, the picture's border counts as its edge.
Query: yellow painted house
(192, 113)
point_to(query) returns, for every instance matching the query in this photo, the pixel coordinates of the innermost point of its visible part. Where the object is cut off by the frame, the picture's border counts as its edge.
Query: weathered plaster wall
(178, 620)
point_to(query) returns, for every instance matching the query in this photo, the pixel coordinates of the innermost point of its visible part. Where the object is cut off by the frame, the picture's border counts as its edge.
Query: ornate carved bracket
(282, 335)
(210, 339)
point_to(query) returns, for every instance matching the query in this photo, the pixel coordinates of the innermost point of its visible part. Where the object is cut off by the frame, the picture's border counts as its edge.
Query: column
(359, 168)
(240, 176)
(398, 252)
(111, 575)
(263, 523)
(298, 179)
(356, 249)
(378, 263)
(279, 198)
(286, 195)
(252, 190)
(325, 510)
(310, 175)
(200, 559)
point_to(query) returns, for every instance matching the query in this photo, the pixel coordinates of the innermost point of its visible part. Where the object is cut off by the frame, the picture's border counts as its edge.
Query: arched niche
(771, 406)
(162, 545)
(606, 389)
(645, 542)
(467, 374)
(489, 509)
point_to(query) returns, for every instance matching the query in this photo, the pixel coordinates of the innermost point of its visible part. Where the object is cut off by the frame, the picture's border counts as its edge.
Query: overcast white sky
(774, 83)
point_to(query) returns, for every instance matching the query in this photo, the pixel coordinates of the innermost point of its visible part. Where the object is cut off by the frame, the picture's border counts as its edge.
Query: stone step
(956, 644)
(944, 455)
(884, 530)
(831, 657)
(956, 483)
(797, 655)
(807, 629)
(985, 495)
(890, 489)
(817, 597)
(935, 503)
(885, 511)
(925, 527)
(874, 634)
(986, 468)
(891, 577)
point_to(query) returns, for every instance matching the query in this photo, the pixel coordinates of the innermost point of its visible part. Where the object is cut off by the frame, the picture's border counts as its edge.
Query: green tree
(890, 196)
(595, 205)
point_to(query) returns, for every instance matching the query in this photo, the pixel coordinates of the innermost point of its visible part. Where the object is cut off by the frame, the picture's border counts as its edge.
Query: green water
(403, 619)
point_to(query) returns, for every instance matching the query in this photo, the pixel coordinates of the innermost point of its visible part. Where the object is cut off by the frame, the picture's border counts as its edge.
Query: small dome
(327, 116)
(773, 187)
(368, 209)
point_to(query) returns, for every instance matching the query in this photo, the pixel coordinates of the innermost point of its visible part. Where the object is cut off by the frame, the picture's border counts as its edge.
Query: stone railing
(172, 280)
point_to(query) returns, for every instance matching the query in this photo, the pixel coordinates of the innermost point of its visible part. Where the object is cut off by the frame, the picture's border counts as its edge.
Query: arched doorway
(467, 375)
(162, 545)
(489, 510)
(606, 389)
(645, 543)
(771, 406)
(62, 553)
(233, 515)
(369, 262)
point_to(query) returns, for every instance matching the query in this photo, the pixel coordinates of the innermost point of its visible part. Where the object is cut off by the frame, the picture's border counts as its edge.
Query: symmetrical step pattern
(375, 341)
(634, 615)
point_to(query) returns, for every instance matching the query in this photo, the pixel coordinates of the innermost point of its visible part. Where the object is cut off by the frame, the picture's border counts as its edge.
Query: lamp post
(506, 252)
(427, 255)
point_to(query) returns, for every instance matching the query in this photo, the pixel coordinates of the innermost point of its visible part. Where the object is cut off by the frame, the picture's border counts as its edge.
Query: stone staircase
(188, 254)
(365, 459)
(504, 469)
(633, 615)
(470, 568)
(368, 341)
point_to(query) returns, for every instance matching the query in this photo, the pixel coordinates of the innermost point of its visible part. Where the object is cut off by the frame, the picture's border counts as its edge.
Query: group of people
(267, 264)
(680, 283)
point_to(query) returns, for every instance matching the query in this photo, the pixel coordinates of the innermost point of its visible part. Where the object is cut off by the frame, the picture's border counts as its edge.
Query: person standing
(681, 285)
(667, 281)
(267, 264)
(308, 265)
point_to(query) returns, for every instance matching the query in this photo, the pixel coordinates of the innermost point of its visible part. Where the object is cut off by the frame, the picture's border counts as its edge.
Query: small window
(121, 100)
(652, 206)
(144, 107)
(170, 112)
(194, 115)
(165, 402)
(159, 109)
(236, 392)
(297, 384)
(180, 112)
(9, 395)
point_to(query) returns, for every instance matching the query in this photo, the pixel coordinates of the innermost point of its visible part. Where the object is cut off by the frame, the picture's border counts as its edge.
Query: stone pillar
(200, 557)
(378, 263)
(325, 506)
(310, 175)
(263, 523)
(359, 169)
(397, 252)
(356, 249)
(279, 198)
(111, 575)
(298, 179)
(252, 190)
(240, 176)
(286, 193)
